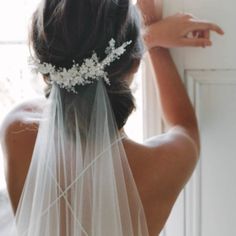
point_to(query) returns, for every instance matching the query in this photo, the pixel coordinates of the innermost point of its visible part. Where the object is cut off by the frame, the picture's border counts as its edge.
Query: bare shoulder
(21, 124)
(161, 166)
(18, 135)
(168, 159)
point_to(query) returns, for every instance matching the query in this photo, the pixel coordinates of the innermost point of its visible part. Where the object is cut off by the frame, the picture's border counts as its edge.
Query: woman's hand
(180, 30)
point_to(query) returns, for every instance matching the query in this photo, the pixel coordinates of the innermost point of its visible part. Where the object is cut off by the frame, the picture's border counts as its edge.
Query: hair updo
(64, 31)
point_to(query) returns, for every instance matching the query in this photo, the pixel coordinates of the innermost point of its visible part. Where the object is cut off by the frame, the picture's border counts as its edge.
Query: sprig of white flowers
(90, 70)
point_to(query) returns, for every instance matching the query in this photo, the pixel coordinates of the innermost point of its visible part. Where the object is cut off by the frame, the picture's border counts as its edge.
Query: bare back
(161, 166)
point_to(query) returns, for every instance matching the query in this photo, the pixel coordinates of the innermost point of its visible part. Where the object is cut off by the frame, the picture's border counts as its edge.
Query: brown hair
(64, 31)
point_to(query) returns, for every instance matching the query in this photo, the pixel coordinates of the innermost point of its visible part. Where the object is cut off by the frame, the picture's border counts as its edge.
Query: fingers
(195, 36)
(195, 42)
(201, 33)
(206, 34)
(203, 25)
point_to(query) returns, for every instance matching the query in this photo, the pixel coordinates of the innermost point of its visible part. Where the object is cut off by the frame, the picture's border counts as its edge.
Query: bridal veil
(79, 182)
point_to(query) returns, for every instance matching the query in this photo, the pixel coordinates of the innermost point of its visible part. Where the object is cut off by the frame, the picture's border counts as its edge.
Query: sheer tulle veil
(79, 182)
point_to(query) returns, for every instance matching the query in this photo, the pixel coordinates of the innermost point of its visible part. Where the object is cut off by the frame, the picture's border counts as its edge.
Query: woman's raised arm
(176, 152)
(175, 31)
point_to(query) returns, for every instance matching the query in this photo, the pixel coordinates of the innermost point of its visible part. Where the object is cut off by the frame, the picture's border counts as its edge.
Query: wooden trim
(194, 80)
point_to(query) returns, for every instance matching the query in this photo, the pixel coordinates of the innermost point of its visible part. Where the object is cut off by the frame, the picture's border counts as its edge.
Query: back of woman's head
(64, 31)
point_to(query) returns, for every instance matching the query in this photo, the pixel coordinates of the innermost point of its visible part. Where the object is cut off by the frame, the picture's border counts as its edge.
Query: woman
(84, 175)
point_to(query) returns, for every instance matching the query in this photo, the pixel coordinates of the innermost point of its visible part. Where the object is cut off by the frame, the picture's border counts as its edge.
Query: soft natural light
(15, 81)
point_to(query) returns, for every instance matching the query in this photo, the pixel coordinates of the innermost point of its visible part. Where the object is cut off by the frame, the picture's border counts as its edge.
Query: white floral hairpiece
(90, 70)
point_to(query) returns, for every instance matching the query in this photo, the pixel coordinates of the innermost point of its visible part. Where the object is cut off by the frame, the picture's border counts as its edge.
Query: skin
(163, 164)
